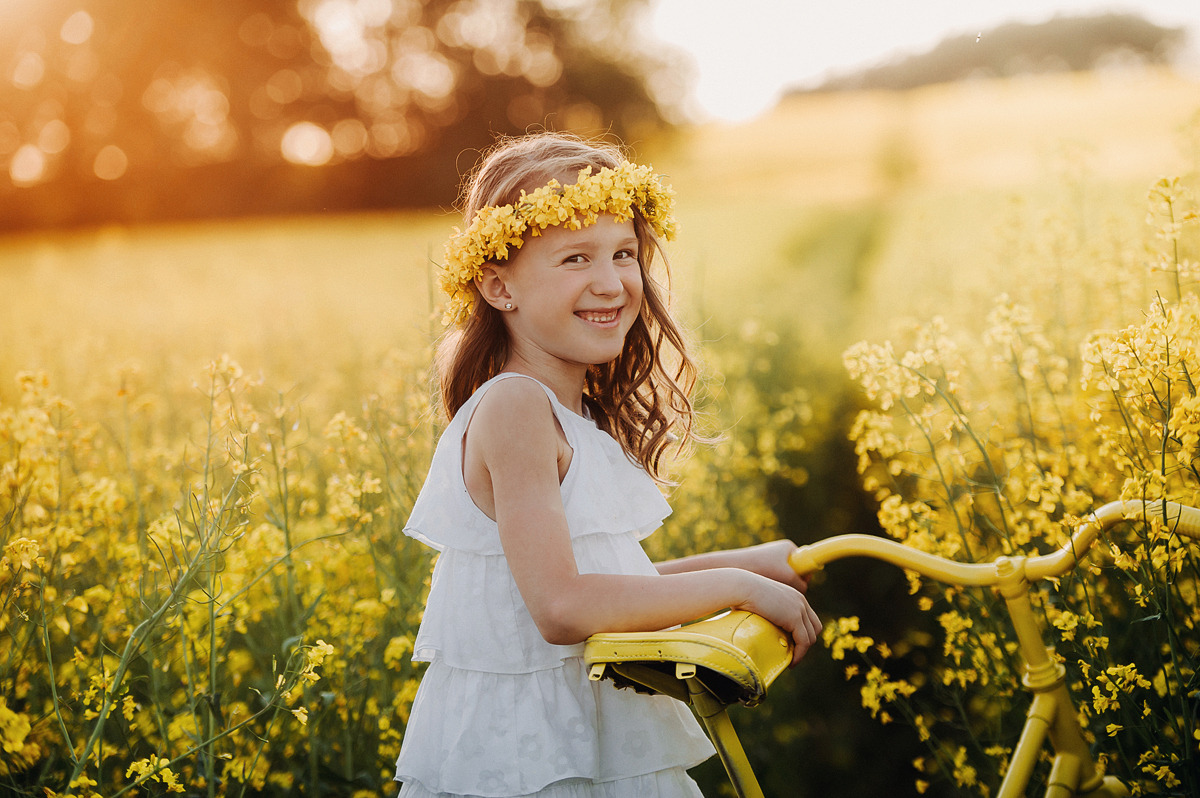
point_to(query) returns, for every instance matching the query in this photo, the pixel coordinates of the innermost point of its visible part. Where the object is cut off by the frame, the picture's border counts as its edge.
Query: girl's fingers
(801, 645)
(806, 633)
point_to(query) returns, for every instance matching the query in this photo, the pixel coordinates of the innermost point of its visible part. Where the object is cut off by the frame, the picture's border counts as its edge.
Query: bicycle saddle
(735, 656)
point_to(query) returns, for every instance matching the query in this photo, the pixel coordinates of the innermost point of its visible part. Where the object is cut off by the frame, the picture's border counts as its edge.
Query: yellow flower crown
(495, 228)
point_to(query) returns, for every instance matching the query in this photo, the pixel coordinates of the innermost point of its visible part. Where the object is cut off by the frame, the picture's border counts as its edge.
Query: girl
(562, 403)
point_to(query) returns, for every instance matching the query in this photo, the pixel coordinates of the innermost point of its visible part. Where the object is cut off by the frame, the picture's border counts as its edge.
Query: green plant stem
(279, 457)
(198, 747)
(56, 702)
(135, 642)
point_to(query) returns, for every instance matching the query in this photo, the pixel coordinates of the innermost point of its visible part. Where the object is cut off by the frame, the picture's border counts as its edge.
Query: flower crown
(494, 229)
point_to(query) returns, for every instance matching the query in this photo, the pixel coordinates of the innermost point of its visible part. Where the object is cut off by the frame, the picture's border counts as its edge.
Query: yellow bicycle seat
(735, 656)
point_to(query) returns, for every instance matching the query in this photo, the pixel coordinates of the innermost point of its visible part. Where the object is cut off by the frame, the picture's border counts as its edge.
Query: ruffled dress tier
(501, 712)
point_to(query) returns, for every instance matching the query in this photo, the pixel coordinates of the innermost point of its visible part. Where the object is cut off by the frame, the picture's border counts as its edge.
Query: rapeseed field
(210, 436)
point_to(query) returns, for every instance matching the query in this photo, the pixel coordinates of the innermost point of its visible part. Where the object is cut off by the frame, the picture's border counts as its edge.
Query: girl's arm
(511, 457)
(768, 559)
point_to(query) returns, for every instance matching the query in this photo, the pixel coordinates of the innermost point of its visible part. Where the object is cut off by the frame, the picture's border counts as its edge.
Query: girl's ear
(493, 289)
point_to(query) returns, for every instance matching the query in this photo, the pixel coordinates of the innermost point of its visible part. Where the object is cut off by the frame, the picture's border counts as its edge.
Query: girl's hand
(771, 560)
(787, 608)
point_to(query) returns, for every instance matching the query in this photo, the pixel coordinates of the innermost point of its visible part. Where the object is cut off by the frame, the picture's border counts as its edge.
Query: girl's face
(575, 293)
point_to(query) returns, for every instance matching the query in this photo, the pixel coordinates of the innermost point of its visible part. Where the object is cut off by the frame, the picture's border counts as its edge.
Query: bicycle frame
(1052, 714)
(667, 662)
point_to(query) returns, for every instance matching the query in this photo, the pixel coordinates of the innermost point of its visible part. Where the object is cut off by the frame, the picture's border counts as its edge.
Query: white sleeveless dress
(501, 712)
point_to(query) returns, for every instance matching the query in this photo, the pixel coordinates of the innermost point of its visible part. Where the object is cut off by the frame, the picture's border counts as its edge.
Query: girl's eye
(575, 259)
(626, 253)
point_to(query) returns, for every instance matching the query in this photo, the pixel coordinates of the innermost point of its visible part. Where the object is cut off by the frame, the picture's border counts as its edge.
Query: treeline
(1061, 44)
(136, 110)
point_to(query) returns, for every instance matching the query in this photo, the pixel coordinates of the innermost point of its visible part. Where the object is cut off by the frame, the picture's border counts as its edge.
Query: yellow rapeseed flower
(14, 728)
(839, 638)
(157, 768)
(22, 554)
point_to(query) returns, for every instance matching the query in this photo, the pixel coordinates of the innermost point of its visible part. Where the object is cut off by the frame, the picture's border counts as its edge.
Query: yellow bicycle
(733, 658)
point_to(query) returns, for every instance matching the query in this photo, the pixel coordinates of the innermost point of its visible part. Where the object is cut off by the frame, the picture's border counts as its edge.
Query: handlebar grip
(802, 562)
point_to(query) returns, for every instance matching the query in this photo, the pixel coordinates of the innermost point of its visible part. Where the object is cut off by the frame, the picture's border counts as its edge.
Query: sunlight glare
(426, 72)
(744, 60)
(342, 26)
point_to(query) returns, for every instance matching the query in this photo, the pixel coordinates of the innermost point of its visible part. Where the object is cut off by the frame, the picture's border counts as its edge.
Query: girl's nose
(606, 280)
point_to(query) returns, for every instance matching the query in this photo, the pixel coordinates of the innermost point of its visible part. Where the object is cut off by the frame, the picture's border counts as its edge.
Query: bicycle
(733, 658)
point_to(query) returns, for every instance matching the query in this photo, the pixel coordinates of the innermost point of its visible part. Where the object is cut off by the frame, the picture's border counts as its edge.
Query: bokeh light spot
(350, 138)
(256, 30)
(427, 73)
(395, 138)
(375, 12)
(285, 42)
(28, 165)
(307, 144)
(78, 28)
(54, 136)
(111, 163)
(29, 70)
(285, 86)
(543, 68)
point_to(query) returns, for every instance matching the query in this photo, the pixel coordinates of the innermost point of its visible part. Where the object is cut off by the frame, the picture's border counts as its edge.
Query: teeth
(599, 318)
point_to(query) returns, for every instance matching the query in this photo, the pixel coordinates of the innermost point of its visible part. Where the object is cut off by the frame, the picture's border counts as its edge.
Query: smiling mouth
(599, 316)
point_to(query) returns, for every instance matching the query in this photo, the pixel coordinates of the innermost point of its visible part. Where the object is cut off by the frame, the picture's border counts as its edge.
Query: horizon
(743, 67)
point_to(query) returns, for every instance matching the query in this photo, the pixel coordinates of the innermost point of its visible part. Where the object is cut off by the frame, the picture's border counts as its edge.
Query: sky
(749, 52)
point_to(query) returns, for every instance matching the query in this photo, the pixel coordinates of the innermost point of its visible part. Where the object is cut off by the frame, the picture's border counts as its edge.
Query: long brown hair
(643, 397)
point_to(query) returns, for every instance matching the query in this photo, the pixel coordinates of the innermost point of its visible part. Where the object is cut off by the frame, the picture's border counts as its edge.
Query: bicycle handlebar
(1177, 517)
